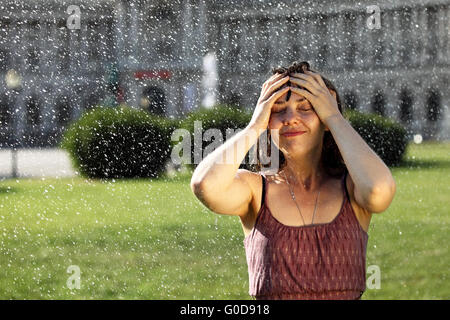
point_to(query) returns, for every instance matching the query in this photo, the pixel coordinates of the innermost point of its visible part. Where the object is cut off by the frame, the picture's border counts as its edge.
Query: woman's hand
(323, 102)
(269, 94)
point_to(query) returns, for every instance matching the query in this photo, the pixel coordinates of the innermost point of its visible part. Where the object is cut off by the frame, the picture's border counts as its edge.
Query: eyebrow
(281, 102)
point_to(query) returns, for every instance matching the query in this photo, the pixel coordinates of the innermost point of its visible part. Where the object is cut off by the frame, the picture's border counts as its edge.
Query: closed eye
(301, 109)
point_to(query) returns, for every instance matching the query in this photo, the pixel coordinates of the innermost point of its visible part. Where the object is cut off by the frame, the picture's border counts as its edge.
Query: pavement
(52, 163)
(36, 163)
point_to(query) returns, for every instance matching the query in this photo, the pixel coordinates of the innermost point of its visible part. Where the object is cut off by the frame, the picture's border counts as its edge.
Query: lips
(292, 133)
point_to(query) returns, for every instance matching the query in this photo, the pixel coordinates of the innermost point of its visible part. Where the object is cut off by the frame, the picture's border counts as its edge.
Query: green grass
(409, 241)
(152, 239)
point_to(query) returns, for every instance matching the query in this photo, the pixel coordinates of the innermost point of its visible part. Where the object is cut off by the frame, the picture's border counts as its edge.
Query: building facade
(149, 54)
(400, 70)
(50, 74)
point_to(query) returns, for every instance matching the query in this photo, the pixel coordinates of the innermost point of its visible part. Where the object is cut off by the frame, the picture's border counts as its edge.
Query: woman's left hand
(320, 97)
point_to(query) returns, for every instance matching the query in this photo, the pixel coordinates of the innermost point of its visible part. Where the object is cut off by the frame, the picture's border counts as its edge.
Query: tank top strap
(260, 215)
(263, 194)
(344, 186)
(263, 207)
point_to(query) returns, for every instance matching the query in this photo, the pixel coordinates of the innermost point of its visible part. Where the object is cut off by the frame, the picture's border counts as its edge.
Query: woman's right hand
(269, 94)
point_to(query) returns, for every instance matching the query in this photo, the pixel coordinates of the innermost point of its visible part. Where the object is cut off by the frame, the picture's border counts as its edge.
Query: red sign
(150, 74)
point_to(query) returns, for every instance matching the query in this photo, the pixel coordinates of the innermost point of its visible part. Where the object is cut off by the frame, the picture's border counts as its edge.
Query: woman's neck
(306, 173)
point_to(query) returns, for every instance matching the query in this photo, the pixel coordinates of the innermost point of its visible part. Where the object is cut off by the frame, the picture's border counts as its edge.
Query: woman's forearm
(374, 184)
(219, 168)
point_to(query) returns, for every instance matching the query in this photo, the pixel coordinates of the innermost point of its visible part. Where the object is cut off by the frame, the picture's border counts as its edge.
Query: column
(202, 35)
(333, 59)
(383, 41)
(308, 38)
(360, 38)
(187, 42)
(248, 47)
(277, 40)
(414, 41)
(422, 36)
(442, 34)
(433, 31)
(406, 26)
(119, 27)
(397, 42)
(133, 33)
(342, 41)
(244, 43)
(223, 46)
(83, 45)
(446, 47)
(318, 36)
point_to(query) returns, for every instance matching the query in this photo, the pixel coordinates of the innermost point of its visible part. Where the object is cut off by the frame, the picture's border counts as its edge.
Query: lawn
(152, 239)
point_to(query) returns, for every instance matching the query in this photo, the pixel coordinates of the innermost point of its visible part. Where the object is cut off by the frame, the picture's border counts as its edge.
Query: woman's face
(296, 114)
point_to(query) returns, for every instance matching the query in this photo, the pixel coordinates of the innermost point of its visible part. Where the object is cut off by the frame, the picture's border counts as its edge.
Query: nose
(291, 118)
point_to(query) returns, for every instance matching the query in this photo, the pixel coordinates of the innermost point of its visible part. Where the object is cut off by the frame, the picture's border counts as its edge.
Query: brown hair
(331, 157)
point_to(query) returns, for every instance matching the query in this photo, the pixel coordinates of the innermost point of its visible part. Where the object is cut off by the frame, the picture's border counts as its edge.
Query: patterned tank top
(320, 261)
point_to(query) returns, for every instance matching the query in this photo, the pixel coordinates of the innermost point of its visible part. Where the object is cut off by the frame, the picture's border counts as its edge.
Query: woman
(306, 225)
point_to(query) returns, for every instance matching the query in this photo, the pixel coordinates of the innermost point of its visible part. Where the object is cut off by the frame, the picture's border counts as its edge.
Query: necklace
(293, 198)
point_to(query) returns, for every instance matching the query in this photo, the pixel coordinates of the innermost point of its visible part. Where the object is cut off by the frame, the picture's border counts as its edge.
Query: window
(33, 115)
(63, 59)
(5, 113)
(33, 60)
(378, 103)
(153, 99)
(63, 111)
(433, 105)
(406, 102)
(163, 12)
(350, 100)
(349, 58)
(91, 102)
(322, 56)
(378, 52)
(4, 60)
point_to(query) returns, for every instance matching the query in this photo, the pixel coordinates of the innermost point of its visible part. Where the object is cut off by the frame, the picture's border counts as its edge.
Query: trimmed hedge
(128, 143)
(220, 117)
(119, 143)
(386, 137)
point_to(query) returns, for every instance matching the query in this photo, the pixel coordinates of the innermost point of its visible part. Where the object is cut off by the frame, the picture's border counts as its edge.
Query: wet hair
(331, 157)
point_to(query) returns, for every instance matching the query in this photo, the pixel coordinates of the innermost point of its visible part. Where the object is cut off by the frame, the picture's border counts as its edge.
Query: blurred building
(50, 74)
(149, 54)
(401, 70)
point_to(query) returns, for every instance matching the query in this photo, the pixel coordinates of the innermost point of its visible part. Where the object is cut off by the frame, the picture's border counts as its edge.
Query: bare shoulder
(249, 176)
(361, 213)
(253, 179)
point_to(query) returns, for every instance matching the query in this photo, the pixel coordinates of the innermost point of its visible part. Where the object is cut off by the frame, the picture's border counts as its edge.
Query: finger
(308, 78)
(308, 95)
(273, 78)
(277, 94)
(306, 84)
(274, 86)
(317, 77)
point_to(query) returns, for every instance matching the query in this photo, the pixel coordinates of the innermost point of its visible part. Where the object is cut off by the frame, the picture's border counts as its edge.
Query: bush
(119, 143)
(220, 117)
(386, 137)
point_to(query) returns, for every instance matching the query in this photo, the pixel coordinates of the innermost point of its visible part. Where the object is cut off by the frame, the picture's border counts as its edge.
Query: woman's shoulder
(255, 181)
(252, 178)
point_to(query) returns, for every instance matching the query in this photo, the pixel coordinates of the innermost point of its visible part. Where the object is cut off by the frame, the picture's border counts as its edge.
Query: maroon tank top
(320, 261)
